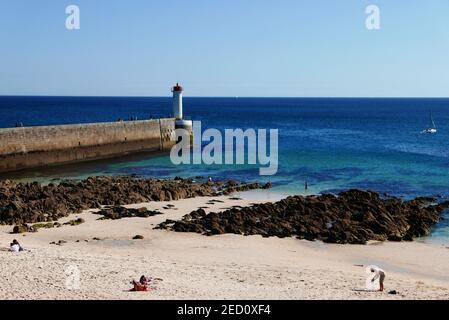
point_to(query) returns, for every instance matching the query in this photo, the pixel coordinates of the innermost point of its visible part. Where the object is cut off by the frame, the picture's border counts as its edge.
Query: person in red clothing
(141, 285)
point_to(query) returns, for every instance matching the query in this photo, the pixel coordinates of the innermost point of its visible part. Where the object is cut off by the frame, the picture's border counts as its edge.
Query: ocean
(332, 143)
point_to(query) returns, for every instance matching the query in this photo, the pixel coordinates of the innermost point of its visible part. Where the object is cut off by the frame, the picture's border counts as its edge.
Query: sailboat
(432, 129)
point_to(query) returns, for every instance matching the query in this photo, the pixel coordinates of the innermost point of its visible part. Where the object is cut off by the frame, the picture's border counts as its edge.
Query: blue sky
(225, 48)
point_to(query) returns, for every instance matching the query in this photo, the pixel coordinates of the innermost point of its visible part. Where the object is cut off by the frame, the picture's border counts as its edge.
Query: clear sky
(225, 48)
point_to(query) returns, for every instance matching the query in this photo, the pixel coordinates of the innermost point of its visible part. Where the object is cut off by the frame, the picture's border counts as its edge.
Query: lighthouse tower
(177, 101)
(180, 122)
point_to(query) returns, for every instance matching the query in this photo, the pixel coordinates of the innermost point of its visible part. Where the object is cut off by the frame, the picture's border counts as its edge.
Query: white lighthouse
(177, 101)
(180, 122)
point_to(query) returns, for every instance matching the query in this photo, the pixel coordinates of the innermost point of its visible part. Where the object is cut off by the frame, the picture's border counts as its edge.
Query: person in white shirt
(378, 274)
(15, 246)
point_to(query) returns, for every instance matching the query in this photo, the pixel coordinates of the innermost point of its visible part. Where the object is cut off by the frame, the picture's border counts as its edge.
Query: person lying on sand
(15, 246)
(378, 274)
(144, 283)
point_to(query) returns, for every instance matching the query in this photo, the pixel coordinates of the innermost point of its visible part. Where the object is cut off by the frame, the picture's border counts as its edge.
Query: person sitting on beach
(379, 274)
(15, 246)
(141, 285)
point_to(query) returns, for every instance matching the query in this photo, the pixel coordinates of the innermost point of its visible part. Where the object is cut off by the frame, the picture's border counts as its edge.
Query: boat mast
(431, 120)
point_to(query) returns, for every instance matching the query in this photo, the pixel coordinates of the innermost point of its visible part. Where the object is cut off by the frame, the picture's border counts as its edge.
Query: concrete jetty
(31, 147)
(41, 146)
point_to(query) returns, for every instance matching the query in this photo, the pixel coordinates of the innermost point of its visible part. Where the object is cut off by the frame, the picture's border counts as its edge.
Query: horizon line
(230, 97)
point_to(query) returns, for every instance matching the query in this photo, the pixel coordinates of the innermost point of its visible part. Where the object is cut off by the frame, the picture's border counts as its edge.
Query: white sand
(199, 267)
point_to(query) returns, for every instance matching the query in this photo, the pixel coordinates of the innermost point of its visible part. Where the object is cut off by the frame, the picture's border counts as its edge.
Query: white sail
(431, 120)
(432, 128)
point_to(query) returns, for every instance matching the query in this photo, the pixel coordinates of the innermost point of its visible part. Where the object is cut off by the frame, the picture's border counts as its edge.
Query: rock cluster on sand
(75, 222)
(32, 202)
(23, 228)
(119, 212)
(353, 217)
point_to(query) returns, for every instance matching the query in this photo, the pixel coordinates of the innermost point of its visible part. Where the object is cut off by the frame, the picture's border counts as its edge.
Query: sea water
(331, 143)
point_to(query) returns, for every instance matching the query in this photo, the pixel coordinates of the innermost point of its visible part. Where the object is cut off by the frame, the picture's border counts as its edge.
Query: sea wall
(30, 147)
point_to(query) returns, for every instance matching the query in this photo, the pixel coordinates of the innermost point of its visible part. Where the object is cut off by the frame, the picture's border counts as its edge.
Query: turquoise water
(333, 144)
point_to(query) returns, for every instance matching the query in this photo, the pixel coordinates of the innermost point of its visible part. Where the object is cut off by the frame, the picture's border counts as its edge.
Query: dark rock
(392, 292)
(75, 222)
(19, 229)
(59, 243)
(267, 185)
(118, 212)
(22, 228)
(33, 203)
(354, 216)
(138, 237)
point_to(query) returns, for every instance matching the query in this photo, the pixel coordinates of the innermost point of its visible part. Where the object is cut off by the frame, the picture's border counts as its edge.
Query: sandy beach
(193, 266)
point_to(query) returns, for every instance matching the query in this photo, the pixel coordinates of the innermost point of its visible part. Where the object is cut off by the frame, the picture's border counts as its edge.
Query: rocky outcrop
(23, 228)
(32, 202)
(74, 222)
(353, 216)
(118, 212)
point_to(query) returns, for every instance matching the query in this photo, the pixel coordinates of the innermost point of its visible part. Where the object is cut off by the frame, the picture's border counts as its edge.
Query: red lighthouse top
(177, 88)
